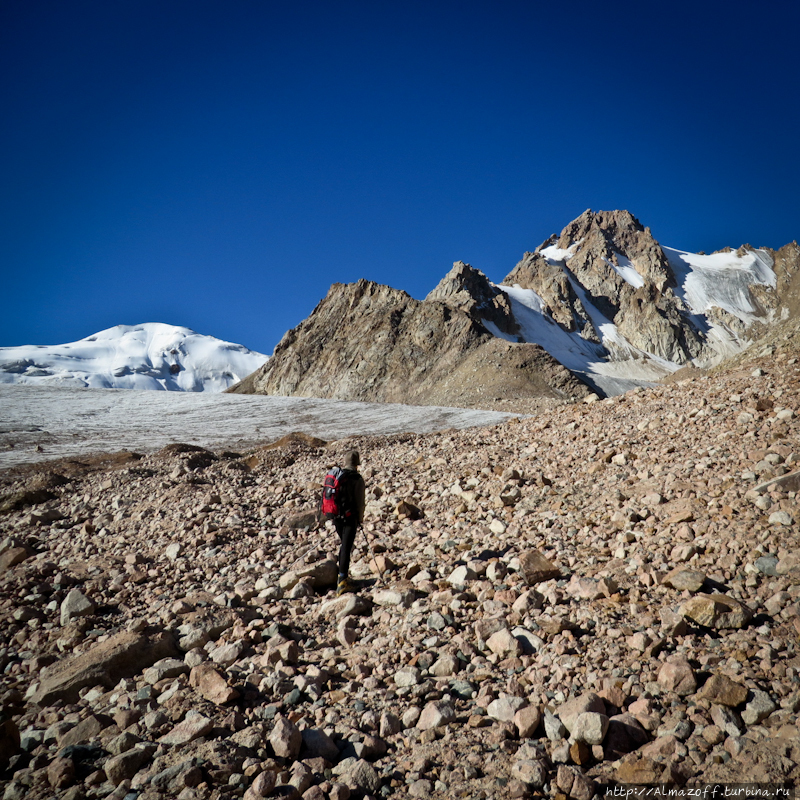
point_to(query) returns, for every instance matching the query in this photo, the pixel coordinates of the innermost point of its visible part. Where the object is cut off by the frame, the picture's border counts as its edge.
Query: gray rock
(407, 676)
(165, 668)
(362, 776)
(727, 720)
(767, 565)
(554, 728)
(505, 707)
(320, 745)
(589, 727)
(758, 708)
(685, 580)
(193, 727)
(173, 551)
(321, 575)
(461, 575)
(569, 712)
(175, 779)
(285, 738)
(533, 772)
(74, 606)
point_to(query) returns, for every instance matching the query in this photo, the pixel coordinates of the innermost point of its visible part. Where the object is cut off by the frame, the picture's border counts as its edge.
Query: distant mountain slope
(148, 356)
(628, 310)
(604, 299)
(373, 343)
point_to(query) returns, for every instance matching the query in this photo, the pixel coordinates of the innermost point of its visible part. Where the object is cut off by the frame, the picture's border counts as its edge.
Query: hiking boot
(344, 586)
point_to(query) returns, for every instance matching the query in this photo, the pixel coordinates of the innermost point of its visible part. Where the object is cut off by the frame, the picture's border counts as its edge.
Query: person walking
(347, 524)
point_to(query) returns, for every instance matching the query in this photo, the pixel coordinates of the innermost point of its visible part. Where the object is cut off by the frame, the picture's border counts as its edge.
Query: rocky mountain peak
(607, 239)
(469, 290)
(607, 277)
(603, 298)
(463, 287)
(369, 342)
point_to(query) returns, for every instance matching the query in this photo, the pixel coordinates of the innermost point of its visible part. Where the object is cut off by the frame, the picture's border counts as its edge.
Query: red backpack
(336, 503)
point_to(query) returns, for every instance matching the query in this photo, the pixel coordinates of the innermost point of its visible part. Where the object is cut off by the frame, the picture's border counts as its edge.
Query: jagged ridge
(373, 343)
(603, 299)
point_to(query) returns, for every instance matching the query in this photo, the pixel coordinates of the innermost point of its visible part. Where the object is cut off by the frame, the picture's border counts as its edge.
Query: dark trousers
(347, 534)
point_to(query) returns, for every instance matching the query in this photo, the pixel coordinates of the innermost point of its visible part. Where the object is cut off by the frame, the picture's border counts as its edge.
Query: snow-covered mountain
(713, 293)
(603, 299)
(148, 356)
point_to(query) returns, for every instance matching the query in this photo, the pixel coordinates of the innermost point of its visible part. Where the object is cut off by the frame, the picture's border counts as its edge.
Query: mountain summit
(369, 342)
(147, 356)
(602, 299)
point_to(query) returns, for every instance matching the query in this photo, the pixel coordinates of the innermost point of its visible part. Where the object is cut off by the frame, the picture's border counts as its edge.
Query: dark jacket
(358, 501)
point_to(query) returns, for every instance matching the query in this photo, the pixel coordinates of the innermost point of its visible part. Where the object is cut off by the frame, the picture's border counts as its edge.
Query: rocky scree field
(603, 594)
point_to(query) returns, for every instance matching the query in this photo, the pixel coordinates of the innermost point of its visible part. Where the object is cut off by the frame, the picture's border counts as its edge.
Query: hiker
(350, 501)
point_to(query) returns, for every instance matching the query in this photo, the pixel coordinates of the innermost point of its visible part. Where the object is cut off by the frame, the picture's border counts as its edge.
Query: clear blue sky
(219, 164)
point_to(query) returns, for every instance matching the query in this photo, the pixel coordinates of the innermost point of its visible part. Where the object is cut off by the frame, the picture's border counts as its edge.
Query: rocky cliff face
(603, 299)
(373, 343)
(605, 267)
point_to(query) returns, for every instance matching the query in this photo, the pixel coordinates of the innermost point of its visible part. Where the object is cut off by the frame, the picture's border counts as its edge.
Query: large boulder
(121, 656)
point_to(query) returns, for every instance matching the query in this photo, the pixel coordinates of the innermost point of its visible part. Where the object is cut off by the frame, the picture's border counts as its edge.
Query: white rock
(75, 605)
(497, 526)
(173, 551)
(504, 708)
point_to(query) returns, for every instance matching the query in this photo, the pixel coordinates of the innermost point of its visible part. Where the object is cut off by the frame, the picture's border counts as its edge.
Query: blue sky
(219, 164)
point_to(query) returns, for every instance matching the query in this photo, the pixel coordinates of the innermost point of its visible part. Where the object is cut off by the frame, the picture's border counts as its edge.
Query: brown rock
(639, 770)
(435, 714)
(677, 676)
(723, 691)
(127, 717)
(503, 643)
(193, 727)
(527, 721)
(125, 765)
(61, 773)
(285, 738)
(320, 575)
(574, 783)
(262, 786)
(580, 753)
(13, 556)
(717, 611)
(86, 730)
(407, 509)
(303, 520)
(173, 780)
(409, 351)
(569, 712)
(121, 656)
(536, 568)
(211, 684)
